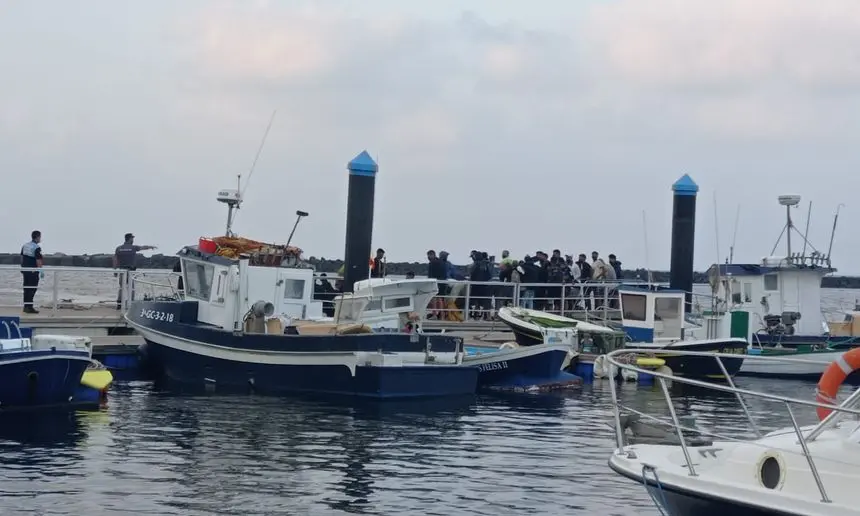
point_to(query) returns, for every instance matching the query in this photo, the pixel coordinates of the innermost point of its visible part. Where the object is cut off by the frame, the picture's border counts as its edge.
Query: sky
(496, 124)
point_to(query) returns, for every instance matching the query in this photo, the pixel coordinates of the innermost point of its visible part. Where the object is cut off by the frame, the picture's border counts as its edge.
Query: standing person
(436, 270)
(378, 264)
(125, 258)
(31, 258)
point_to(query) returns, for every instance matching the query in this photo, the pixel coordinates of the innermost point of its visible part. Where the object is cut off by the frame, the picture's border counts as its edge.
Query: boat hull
(39, 378)
(524, 369)
(196, 356)
(793, 370)
(196, 371)
(675, 501)
(703, 367)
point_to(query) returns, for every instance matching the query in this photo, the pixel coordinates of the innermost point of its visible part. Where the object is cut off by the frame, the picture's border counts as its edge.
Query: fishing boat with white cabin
(246, 325)
(653, 318)
(799, 470)
(776, 305)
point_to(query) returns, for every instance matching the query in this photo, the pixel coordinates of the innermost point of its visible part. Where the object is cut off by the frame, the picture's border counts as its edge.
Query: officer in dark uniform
(31, 258)
(125, 258)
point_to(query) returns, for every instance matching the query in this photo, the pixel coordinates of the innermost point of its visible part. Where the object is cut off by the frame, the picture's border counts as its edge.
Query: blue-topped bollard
(359, 219)
(683, 236)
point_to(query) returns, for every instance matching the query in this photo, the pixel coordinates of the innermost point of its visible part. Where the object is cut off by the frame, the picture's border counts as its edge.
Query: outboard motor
(788, 321)
(773, 324)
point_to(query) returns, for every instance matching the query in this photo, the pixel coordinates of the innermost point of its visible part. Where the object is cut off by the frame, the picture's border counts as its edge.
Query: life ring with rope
(833, 378)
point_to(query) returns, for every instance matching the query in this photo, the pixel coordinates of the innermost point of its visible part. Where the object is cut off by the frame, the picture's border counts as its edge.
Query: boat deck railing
(80, 288)
(625, 359)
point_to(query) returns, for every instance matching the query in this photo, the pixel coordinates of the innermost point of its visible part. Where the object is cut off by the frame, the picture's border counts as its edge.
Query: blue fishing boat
(41, 370)
(397, 305)
(538, 368)
(246, 323)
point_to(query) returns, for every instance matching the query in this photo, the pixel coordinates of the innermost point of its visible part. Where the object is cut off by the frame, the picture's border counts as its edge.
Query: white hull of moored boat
(814, 364)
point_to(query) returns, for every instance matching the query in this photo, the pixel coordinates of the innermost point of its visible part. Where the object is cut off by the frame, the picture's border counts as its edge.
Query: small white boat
(797, 471)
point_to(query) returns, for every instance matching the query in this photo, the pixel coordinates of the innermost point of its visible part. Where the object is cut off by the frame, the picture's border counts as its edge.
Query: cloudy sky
(496, 124)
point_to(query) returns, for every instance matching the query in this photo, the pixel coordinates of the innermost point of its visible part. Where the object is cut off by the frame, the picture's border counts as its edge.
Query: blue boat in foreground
(42, 370)
(537, 368)
(246, 323)
(392, 305)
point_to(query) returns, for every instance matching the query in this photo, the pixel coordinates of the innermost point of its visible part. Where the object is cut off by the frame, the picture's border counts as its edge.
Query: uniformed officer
(125, 258)
(31, 258)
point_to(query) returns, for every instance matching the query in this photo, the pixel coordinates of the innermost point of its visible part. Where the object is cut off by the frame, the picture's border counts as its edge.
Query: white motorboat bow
(798, 471)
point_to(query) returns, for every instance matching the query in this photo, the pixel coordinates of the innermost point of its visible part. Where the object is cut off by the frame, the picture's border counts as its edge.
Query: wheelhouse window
(634, 306)
(771, 282)
(667, 308)
(395, 303)
(294, 289)
(198, 280)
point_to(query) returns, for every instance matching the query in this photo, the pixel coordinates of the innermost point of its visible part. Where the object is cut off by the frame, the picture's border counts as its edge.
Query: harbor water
(150, 453)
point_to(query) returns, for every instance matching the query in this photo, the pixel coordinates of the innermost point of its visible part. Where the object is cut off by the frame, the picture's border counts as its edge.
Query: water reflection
(162, 454)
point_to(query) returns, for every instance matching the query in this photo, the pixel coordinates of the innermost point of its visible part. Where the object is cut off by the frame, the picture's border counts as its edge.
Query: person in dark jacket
(556, 274)
(436, 270)
(325, 292)
(585, 277)
(480, 294)
(613, 261)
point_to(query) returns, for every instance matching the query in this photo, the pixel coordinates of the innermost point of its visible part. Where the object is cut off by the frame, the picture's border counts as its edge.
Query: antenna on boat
(734, 236)
(788, 201)
(806, 234)
(645, 235)
(833, 233)
(716, 228)
(233, 198)
(299, 215)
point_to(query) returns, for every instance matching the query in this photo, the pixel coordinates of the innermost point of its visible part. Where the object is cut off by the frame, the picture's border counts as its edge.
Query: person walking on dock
(125, 258)
(31, 258)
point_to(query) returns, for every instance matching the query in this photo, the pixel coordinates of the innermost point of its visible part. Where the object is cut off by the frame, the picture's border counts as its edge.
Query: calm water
(149, 453)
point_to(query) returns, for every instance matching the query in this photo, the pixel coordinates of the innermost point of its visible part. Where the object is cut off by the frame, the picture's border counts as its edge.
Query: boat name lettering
(156, 315)
(493, 366)
(733, 351)
(712, 452)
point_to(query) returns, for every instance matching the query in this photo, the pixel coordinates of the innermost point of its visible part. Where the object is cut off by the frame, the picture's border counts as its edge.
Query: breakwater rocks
(162, 261)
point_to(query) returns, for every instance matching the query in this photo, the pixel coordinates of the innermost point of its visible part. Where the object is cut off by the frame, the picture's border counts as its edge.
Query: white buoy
(603, 369)
(629, 376)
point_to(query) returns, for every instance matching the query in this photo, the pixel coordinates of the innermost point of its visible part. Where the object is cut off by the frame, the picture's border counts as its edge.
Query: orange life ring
(832, 379)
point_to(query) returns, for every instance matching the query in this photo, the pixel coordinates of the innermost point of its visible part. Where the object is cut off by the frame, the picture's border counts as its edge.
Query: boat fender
(770, 470)
(509, 345)
(833, 378)
(603, 369)
(235, 280)
(650, 362)
(665, 370)
(569, 359)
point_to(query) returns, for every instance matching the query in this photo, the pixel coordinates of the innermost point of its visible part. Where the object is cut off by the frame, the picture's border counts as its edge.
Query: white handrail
(847, 407)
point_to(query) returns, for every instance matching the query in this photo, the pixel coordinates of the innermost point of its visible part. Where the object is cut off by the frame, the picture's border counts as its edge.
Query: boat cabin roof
(770, 267)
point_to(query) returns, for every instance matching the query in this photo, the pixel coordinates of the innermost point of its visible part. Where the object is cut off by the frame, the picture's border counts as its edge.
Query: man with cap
(125, 258)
